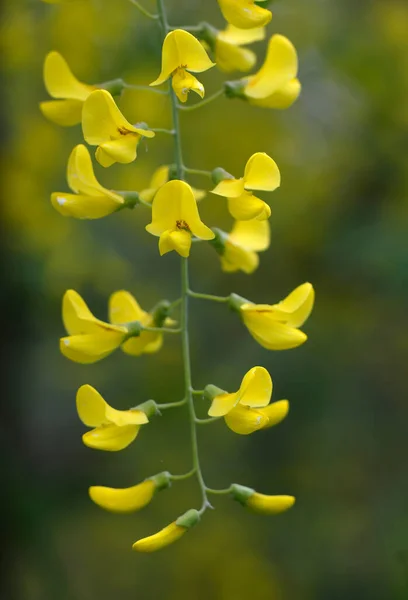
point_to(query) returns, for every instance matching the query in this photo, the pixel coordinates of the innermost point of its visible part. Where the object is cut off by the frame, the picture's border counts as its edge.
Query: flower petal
(245, 420)
(268, 332)
(161, 539)
(183, 82)
(122, 150)
(240, 37)
(229, 188)
(247, 207)
(269, 505)
(89, 348)
(85, 207)
(275, 412)
(102, 120)
(236, 258)
(283, 98)
(244, 14)
(91, 407)
(111, 437)
(123, 500)
(222, 404)
(256, 388)
(124, 308)
(175, 239)
(59, 80)
(230, 57)
(297, 306)
(63, 112)
(261, 173)
(251, 235)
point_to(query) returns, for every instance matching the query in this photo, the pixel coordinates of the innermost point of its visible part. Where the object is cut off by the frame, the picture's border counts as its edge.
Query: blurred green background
(340, 220)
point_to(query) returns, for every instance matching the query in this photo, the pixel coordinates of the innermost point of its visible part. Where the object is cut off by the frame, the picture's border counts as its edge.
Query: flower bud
(261, 503)
(169, 534)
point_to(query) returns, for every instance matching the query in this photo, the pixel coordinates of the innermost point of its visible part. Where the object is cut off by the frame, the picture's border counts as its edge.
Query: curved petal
(102, 120)
(229, 188)
(230, 57)
(90, 348)
(222, 404)
(261, 173)
(181, 49)
(59, 80)
(175, 239)
(122, 150)
(273, 335)
(63, 112)
(147, 342)
(297, 306)
(245, 420)
(252, 235)
(236, 258)
(256, 388)
(111, 437)
(241, 37)
(80, 174)
(280, 67)
(161, 539)
(269, 505)
(244, 14)
(275, 412)
(247, 207)
(76, 316)
(91, 407)
(85, 207)
(124, 308)
(282, 98)
(123, 500)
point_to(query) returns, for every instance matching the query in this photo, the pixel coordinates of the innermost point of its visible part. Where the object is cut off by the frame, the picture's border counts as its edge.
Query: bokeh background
(340, 220)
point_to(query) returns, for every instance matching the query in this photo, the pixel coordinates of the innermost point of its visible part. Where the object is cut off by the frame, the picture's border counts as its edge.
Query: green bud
(189, 519)
(219, 174)
(114, 87)
(218, 242)
(235, 302)
(149, 408)
(161, 480)
(235, 89)
(160, 313)
(211, 391)
(241, 493)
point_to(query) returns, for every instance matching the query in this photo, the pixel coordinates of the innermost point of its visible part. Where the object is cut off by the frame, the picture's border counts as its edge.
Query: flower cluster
(175, 220)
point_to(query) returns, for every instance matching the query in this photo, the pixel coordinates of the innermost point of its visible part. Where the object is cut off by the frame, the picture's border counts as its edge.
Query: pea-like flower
(131, 499)
(261, 503)
(238, 249)
(159, 178)
(182, 54)
(247, 410)
(275, 326)
(175, 218)
(69, 93)
(275, 85)
(113, 429)
(104, 126)
(90, 199)
(90, 339)
(261, 173)
(169, 534)
(245, 14)
(227, 46)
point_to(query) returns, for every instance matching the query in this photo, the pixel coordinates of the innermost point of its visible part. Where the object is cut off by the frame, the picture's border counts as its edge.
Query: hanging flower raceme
(90, 200)
(89, 339)
(175, 218)
(275, 326)
(182, 53)
(159, 178)
(275, 85)
(248, 409)
(261, 173)
(104, 126)
(69, 93)
(238, 249)
(227, 46)
(169, 534)
(131, 499)
(245, 14)
(113, 429)
(261, 503)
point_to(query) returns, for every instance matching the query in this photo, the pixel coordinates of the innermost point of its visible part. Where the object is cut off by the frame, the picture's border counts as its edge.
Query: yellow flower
(104, 126)
(70, 93)
(261, 173)
(181, 53)
(275, 85)
(113, 429)
(227, 46)
(169, 534)
(275, 327)
(175, 218)
(159, 178)
(261, 503)
(238, 249)
(245, 14)
(90, 200)
(241, 409)
(132, 499)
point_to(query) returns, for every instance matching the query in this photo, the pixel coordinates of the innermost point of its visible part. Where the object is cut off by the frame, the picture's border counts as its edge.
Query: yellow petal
(269, 505)
(59, 80)
(81, 177)
(122, 150)
(251, 235)
(147, 343)
(229, 188)
(261, 173)
(124, 308)
(90, 348)
(256, 388)
(181, 49)
(175, 239)
(297, 306)
(245, 420)
(182, 82)
(267, 331)
(240, 37)
(222, 404)
(85, 207)
(111, 437)
(230, 57)
(236, 258)
(159, 178)
(275, 412)
(63, 112)
(282, 98)
(123, 500)
(163, 538)
(91, 407)
(76, 316)
(199, 194)
(280, 67)
(244, 14)
(247, 207)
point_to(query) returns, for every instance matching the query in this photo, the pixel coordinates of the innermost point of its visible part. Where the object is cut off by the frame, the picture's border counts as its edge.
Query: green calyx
(211, 391)
(114, 87)
(161, 480)
(208, 34)
(130, 198)
(218, 242)
(134, 329)
(219, 174)
(160, 313)
(235, 302)
(149, 408)
(241, 493)
(235, 89)
(189, 519)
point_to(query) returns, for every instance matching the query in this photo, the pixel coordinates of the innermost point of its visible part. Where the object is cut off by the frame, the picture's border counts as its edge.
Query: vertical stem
(188, 388)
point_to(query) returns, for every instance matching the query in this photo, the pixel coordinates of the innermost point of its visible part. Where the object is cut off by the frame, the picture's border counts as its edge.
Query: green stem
(219, 492)
(144, 88)
(182, 477)
(203, 102)
(208, 297)
(168, 131)
(161, 329)
(171, 404)
(145, 12)
(197, 171)
(207, 421)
